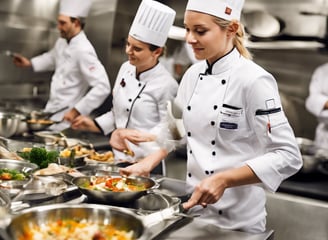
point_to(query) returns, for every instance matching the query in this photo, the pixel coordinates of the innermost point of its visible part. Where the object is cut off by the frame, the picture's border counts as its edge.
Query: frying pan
(121, 219)
(99, 196)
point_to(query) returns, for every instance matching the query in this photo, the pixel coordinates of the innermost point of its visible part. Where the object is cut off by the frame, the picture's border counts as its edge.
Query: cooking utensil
(21, 166)
(8, 53)
(9, 123)
(45, 115)
(121, 219)
(40, 125)
(100, 196)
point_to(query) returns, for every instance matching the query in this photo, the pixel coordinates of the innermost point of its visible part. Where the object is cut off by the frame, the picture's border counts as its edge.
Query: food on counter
(75, 229)
(53, 168)
(39, 156)
(77, 151)
(113, 184)
(102, 157)
(11, 174)
(6, 154)
(40, 121)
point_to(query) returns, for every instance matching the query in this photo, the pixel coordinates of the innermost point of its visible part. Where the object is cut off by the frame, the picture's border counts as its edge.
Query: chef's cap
(75, 8)
(225, 9)
(152, 23)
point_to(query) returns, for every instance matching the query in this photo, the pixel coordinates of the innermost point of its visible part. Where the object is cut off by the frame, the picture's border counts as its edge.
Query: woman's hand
(146, 165)
(84, 123)
(208, 191)
(71, 115)
(121, 136)
(211, 189)
(136, 169)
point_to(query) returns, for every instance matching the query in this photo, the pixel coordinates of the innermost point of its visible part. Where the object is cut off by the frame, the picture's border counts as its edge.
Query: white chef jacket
(79, 80)
(233, 117)
(139, 104)
(318, 96)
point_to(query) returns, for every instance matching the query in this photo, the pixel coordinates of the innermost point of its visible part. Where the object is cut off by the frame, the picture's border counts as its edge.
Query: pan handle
(4, 235)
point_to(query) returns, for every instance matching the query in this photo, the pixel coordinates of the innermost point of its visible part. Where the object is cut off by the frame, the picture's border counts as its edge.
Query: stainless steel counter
(197, 229)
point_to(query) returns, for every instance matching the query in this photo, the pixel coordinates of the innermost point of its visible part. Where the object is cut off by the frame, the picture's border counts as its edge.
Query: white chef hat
(75, 8)
(152, 22)
(225, 9)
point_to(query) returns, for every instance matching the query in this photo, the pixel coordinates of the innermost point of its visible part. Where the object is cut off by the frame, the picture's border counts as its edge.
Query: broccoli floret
(38, 155)
(51, 158)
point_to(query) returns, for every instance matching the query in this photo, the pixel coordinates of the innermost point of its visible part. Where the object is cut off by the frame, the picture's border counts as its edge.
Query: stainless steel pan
(121, 219)
(100, 196)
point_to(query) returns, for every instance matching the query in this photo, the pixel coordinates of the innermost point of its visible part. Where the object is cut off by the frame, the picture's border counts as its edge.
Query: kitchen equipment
(262, 24)
(9, 123)
(98, 169)
(45, 115)
(102, 196)
(121, 219)
(19, 165)
(5, 203)
(39, 124)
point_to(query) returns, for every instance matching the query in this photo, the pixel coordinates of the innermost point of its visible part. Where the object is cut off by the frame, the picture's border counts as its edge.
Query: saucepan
(94, 217)
(100, 193)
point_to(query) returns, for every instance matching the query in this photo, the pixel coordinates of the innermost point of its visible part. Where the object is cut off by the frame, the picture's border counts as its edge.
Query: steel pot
(9, 123)
(121, 219)
(115, 197)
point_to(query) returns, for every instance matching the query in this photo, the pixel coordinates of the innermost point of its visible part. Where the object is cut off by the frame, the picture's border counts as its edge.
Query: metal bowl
(121, 219)
(19, 165)
(99, 196)
(9, 123)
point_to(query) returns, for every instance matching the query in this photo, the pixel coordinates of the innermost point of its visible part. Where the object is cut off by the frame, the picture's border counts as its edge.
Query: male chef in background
(80, 81)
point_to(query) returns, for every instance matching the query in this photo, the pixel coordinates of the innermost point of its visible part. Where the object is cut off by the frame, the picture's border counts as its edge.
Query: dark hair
(153, 47)
(82, 21)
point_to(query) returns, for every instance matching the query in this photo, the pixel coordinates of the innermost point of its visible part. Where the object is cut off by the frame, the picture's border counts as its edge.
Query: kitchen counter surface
(197, 229)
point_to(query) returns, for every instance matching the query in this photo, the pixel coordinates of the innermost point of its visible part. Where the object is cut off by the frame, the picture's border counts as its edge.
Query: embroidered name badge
(228, 11)
(228, 125)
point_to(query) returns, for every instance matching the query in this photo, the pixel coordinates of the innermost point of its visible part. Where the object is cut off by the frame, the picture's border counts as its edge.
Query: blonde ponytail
(239, 39)
(238, 42)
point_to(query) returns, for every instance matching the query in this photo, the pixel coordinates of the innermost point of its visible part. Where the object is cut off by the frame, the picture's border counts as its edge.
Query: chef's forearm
(238, 177)
(154, 159)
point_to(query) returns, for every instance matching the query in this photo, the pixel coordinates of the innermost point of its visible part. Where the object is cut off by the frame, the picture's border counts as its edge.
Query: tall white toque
(225, 9)
(152, 23)
(75, 8)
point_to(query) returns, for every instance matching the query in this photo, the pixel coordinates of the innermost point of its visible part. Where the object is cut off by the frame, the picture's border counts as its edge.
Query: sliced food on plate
(107, 157)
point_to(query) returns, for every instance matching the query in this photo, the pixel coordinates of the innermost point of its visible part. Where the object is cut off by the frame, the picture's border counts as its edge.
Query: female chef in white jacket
(239, 141)
(143, 85)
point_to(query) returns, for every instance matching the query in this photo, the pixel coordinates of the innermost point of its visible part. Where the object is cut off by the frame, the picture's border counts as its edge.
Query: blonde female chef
(80, 81)
(239, 141)
(143, 85)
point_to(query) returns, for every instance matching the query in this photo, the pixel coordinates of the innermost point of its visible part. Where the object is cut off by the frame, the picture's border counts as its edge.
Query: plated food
(76, 152)
(105, 157)
(12, 174)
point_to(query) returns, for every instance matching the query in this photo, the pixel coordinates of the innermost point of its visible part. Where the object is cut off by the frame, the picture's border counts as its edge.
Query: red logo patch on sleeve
(227, 11)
